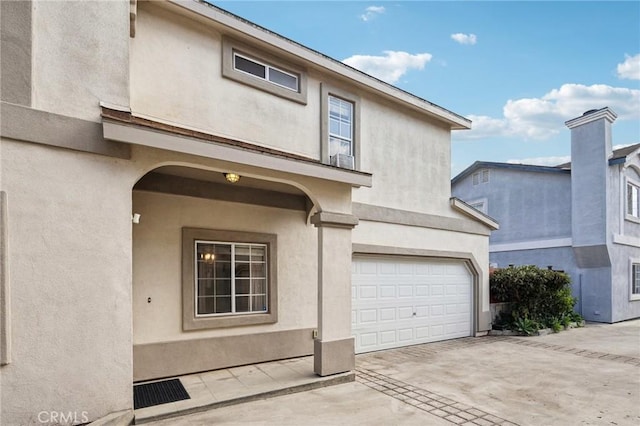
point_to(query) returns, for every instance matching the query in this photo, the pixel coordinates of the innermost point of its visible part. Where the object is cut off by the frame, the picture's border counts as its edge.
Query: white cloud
(542, 118)
(389, 67)
(630, 68)
(371, 12)
(465, 38)
(543, 161)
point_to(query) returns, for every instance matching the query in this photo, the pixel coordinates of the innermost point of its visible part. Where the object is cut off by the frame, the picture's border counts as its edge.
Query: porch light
(231, 177)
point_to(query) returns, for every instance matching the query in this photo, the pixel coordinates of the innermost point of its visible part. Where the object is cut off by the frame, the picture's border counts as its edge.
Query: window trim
(327, 90)
(629, 181)
(233, 262)
(190, 319)
(231, 47)
(633, 296)
(482, 201)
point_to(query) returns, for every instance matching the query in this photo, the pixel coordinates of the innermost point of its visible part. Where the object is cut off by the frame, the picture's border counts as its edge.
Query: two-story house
(183, 191)
(581, 217)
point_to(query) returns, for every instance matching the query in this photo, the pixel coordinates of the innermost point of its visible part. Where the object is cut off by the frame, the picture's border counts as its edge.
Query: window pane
(243, 253)
(242, 270)
(242, 304)
(259, 303)
(283, 79)
(223, 287)
(258, 286)
(223, 270)
(222, 252)
(206, 288)
(242, 286)
(258, 253)
(223, 305)
(250, 67)
(258, 270)
(205, 305)
(206, 270)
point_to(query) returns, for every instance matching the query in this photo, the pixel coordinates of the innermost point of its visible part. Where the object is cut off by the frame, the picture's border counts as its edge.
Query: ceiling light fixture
(231, 177)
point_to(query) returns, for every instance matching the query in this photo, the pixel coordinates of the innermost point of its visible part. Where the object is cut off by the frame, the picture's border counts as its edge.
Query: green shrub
(525, 326)
(538, 295)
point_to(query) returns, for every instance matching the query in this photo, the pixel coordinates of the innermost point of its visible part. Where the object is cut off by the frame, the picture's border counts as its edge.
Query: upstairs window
(481, 176)
(266, 72)
(633, 200)
(263, 70)
(340, 130)
(340, 126)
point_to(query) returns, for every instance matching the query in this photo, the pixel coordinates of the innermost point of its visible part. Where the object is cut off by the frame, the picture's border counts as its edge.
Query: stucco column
(334, 350)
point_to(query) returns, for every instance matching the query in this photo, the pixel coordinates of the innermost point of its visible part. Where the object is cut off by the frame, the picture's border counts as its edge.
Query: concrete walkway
(584, 376)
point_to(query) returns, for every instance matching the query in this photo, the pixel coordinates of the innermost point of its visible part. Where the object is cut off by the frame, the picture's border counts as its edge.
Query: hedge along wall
(541, 295)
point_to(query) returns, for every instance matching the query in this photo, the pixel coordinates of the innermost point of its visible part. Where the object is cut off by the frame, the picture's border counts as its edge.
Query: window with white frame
(265, 72)
(481, 176)
(633, 200)
(635, 279)
(231, 278)
(340, 126)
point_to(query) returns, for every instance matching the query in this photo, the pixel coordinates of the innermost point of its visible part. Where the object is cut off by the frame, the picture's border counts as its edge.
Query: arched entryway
(224, 273)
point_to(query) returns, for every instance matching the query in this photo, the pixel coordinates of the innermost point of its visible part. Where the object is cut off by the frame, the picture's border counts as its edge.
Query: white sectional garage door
(400, 302)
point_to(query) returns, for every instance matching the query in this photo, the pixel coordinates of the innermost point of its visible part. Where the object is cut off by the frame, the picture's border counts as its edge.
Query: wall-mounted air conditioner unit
(343, 160)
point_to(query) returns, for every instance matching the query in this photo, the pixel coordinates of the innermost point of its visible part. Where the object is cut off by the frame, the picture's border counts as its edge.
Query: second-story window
(340, 126)
(265, 72)
(633, 200)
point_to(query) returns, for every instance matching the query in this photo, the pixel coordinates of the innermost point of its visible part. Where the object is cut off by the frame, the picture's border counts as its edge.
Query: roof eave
(235, 23)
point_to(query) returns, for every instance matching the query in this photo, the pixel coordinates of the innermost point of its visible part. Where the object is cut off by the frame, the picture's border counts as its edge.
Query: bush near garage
(537, 298)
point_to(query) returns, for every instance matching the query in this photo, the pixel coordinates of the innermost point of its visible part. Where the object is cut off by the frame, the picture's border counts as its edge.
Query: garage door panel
(387, 314)
(400, 302)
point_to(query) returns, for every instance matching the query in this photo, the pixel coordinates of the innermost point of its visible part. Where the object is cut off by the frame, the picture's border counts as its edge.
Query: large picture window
(228, 278)
(231, 278)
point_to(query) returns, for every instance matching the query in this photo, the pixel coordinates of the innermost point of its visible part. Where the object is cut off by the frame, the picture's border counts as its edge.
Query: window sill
(201, 323)
(632, 218)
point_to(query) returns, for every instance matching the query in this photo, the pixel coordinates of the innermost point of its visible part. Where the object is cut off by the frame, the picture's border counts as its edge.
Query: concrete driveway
(585, 376)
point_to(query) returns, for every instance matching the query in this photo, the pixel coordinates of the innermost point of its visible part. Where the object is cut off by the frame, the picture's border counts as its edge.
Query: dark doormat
(156, 393)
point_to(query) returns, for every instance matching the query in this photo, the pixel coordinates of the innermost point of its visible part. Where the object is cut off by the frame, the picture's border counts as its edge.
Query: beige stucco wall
(80, 56)
(409, 158)
(69, 220)
(157, 261)
(178, 59)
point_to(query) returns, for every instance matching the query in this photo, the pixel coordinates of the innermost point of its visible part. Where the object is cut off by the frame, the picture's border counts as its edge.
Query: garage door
(400, 302)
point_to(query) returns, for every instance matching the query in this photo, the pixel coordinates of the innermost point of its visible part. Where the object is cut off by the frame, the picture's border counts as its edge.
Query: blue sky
(517, 69)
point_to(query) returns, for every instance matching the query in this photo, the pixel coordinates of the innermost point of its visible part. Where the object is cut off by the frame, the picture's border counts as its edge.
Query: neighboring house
(183, 191)
(582, 217)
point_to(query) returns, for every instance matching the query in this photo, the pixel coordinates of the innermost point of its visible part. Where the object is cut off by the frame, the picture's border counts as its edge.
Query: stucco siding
(188, 87)
(527, 205)
(80, 56)
(410, 158)
(69, 218)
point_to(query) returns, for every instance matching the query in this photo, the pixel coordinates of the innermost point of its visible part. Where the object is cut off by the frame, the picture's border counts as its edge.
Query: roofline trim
(513, 166)
(234, 22)
(473, 213)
